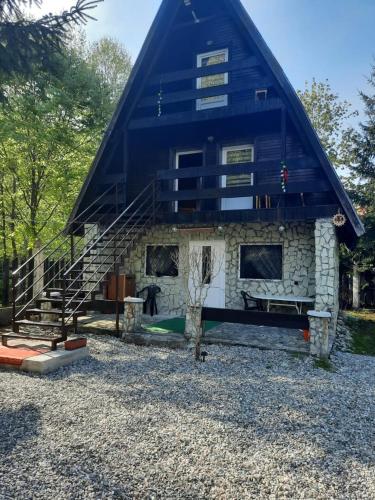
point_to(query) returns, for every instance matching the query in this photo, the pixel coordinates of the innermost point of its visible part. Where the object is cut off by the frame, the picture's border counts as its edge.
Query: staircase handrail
(24, 278)
(124, 212)
(76, 219)
(25, 306)
(98, 281)
(100, 238)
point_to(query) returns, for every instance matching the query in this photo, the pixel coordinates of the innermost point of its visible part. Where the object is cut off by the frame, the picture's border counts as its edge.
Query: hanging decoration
(339, 219)
(284, 175)
(160, 101)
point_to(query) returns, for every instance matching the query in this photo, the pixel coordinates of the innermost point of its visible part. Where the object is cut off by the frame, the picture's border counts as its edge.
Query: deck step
(54, 339)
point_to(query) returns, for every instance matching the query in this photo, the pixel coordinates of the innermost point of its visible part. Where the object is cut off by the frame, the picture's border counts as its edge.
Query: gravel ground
(136, 422)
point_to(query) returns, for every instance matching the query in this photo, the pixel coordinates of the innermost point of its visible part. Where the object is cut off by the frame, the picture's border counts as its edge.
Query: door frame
(223, 178)
(177, 156)
(212, 243)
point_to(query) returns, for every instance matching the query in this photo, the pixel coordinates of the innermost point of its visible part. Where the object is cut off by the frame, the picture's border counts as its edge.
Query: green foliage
(362, 327)
(362, 187)
(50, 130)
(112, 63)
(324, 364)
(27, 44)
(329, 116)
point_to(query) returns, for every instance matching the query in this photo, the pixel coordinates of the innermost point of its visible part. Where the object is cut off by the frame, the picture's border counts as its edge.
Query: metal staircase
(49, 307)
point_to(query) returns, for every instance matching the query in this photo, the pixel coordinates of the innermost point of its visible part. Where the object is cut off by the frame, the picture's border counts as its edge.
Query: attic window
(216, 80)
(261, 95)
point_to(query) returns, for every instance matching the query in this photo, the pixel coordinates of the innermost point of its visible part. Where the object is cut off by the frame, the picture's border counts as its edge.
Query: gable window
(211, 81)
(261, 262)
(161, 260)
(261, 95)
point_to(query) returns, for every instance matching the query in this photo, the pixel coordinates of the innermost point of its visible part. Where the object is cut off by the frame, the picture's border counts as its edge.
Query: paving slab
(53, 360)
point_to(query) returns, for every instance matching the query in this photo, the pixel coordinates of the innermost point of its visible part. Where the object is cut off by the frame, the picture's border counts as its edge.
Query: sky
(325, 39)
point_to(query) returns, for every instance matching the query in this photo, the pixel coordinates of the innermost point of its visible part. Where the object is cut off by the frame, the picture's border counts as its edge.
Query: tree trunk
(5, 294)
(356, 287)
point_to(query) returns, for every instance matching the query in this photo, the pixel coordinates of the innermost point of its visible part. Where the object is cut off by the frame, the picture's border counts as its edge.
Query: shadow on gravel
(19, 426)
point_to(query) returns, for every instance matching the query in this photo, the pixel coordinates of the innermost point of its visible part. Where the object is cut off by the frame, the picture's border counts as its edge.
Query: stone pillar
(132, 315)
(193, 324)
(319, 333)
(356, 287)
(327, 278)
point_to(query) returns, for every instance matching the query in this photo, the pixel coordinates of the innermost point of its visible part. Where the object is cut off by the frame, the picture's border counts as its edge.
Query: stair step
(43, 324)
(57, 300)
(69, 290)
(53, 311)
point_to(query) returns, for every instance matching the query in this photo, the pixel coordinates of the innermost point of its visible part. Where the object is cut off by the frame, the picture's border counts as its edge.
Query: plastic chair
(152, 291)
(251, 303)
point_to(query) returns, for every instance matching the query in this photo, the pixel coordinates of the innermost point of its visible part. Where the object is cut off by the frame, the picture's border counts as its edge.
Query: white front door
(235, 155)
(207, 272)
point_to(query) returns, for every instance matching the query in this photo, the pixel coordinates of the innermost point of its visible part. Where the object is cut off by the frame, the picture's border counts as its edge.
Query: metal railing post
(63, 307)
(116, 270)
(14, 299)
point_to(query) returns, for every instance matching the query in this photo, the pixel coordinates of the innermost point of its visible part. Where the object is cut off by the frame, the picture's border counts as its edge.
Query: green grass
(362, 326)
(175, 325)
(324, 364)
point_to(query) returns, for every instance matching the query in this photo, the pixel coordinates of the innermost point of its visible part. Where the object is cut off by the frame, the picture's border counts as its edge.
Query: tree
(363, 170)
(49, 133)
(199, 271)
(28, 44)
(113, 64)
(329, 117)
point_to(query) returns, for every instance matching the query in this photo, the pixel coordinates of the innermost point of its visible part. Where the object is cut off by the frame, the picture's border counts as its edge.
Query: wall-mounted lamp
(281, 229)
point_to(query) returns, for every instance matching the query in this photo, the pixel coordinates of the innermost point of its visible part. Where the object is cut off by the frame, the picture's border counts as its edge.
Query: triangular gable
(163, 20)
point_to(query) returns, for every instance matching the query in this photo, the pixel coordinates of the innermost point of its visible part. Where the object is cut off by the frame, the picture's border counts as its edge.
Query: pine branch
(27, 43)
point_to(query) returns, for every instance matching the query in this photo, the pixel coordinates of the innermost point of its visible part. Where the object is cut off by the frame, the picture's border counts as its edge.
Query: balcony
(268, 200)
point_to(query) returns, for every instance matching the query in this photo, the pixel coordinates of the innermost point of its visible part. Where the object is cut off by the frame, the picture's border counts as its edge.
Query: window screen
(162, 260)
(261, 262)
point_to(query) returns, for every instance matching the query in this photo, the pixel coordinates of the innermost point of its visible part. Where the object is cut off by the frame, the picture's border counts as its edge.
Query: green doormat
(175, 325)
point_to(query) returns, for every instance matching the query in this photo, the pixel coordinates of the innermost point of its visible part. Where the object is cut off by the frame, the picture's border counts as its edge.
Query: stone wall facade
(297, 240)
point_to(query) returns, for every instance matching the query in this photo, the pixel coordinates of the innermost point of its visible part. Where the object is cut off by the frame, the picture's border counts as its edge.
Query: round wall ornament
(339, 219)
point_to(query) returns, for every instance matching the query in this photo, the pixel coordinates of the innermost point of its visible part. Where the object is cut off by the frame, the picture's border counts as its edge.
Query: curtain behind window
(261, 262)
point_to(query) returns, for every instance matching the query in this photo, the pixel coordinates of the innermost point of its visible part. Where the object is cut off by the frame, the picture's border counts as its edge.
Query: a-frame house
(211, 149)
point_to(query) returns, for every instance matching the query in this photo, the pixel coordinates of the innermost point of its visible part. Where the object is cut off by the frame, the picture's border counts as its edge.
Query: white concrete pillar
(133, 312)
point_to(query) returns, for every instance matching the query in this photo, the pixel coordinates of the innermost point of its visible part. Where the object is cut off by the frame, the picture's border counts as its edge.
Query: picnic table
(284, 300)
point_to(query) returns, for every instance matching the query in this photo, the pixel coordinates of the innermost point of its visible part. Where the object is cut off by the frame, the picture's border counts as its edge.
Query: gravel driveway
(135, 422)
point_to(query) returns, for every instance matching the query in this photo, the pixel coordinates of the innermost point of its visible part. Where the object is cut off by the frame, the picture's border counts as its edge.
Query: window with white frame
(211, 81)
(261, 262)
